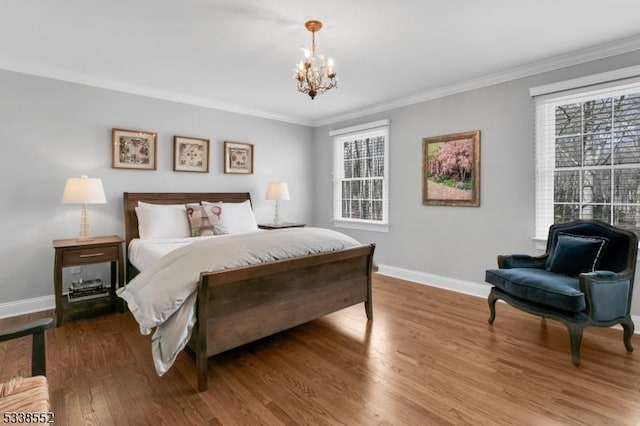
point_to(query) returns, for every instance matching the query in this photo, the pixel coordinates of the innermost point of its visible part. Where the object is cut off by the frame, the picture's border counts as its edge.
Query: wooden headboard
(131, 202)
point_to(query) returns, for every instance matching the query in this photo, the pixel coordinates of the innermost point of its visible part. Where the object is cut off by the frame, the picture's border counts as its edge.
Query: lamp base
(84, 225)
(276, 214)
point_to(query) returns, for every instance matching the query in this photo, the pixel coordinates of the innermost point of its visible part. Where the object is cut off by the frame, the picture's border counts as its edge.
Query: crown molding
(557, 62)
(88, 80)
(578, 57)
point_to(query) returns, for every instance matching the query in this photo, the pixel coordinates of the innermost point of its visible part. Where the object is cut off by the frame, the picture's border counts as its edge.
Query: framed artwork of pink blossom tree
(451, 169)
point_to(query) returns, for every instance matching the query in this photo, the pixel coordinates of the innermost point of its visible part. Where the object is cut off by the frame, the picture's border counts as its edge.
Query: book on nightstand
(88, 289)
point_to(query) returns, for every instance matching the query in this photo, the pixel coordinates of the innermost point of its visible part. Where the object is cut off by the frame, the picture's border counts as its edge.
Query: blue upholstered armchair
(585, 278)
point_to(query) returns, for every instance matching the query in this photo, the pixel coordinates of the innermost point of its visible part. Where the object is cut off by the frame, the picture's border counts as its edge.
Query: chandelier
(315, 73)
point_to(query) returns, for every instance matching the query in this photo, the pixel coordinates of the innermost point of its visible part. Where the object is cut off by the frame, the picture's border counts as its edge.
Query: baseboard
(452, 284)
(459, 286)
(27, 306)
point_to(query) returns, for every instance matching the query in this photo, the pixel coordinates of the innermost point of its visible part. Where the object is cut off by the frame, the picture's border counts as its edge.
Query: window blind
(360, 176)
(588, 156)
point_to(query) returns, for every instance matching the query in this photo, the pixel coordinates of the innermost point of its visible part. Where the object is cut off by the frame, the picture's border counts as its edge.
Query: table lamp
(83, 190)
(277, 191)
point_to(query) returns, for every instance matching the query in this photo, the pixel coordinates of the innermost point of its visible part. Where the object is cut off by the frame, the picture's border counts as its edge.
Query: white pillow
(162, 221)
(237, 217)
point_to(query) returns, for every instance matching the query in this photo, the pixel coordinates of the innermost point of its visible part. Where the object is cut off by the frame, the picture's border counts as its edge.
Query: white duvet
(163, 296)
(143, 253)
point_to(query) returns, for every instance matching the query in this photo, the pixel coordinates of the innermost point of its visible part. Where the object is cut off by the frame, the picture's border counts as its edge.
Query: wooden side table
(72, 252)
(281, 225)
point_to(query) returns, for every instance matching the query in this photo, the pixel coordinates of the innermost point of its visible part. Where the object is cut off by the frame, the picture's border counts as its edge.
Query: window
(361, 176)
(588, 156)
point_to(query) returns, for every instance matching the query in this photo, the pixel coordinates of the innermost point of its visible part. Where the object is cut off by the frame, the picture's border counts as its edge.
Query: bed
(242, 304)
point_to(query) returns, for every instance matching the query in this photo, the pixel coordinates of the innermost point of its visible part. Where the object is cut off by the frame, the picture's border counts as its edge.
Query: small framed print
(190, 154)
(238, 158)
(133, 149)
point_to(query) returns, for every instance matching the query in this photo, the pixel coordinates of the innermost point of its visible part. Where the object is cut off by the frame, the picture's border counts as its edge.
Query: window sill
(540, 243)
(362, 226)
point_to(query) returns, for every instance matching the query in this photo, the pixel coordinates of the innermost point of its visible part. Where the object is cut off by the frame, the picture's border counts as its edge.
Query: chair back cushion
(620, 252)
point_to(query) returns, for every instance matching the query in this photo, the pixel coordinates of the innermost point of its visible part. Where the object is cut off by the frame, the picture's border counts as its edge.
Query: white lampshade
(278, 191)
(83, 190)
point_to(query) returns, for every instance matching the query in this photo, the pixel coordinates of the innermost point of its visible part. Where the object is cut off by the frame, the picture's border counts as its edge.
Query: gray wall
(459, 242)
(51, 130)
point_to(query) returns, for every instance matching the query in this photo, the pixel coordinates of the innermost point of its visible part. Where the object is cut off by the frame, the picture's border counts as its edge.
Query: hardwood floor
(428, 357)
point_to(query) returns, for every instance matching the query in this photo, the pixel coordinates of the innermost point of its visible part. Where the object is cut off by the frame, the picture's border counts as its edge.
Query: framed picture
(133, 149)
(190, 154)
(451, 170)
(238, 158)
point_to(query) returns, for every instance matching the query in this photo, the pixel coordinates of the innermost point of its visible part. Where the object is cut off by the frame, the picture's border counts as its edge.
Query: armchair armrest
(522, 261)
(608, 294)
(38, 354)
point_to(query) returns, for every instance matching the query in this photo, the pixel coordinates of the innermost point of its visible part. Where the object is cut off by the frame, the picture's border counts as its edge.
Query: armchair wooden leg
(492, 299)
(628, 327)
(575, 335)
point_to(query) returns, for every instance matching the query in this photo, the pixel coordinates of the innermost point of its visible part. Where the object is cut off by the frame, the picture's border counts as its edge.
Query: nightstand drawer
(89, 255)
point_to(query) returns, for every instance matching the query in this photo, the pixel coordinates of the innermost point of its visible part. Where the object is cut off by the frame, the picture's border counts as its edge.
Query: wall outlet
(75, 269)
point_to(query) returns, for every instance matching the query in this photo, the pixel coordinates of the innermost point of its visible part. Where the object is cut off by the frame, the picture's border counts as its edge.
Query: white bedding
(163, 295)
(145, 253)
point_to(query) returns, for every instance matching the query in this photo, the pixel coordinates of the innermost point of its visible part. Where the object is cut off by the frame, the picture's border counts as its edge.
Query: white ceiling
(239, 55)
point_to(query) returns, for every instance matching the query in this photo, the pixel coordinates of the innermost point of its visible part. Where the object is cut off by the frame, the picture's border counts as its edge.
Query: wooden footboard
(240, 305)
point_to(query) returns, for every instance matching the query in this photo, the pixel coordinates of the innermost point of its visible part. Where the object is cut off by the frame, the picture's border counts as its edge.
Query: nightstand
(281, 225)
(72, 252)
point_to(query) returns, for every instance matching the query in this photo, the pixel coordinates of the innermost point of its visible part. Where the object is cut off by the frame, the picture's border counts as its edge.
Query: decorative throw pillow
(214, 213)
(202, 222)
(237, 217)
(575, 254)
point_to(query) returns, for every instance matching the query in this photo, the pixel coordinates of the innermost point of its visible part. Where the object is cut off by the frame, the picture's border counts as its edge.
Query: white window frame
(367, 130)
(546, 98)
